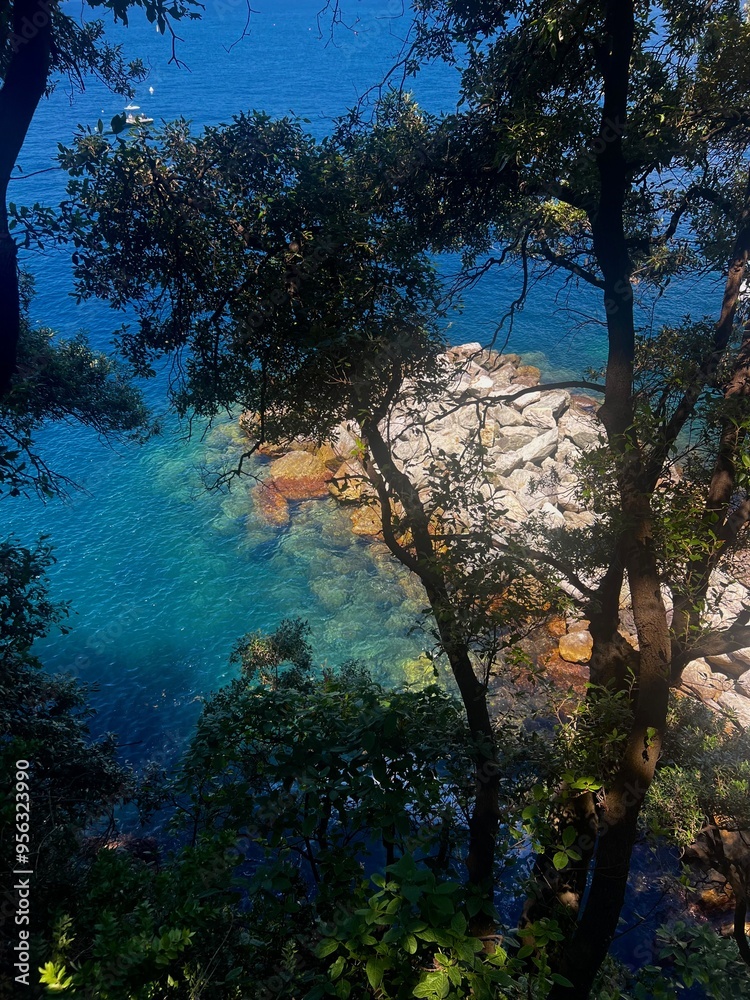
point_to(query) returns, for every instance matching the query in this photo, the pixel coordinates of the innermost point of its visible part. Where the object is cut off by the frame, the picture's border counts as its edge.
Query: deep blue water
(162, 578)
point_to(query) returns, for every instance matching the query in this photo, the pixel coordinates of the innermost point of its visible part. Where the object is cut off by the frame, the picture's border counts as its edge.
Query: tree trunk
(421, 560)
(23, 87)
(590, 943)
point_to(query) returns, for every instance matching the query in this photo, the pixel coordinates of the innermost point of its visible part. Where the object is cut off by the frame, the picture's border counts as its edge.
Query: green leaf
(569, 835)
(326, 948)
(560, 860)
(374, 970)
(561, 980)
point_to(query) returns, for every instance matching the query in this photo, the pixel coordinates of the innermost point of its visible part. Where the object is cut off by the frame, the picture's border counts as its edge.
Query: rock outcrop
(528, 440)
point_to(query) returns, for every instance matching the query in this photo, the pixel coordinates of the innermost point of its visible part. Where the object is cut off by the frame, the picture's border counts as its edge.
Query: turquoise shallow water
(162, 577)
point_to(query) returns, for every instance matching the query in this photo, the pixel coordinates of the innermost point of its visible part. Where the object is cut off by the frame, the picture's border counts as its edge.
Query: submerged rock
(271, 505)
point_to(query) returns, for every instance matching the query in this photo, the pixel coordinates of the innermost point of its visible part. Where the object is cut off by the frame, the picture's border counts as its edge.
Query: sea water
(162, 577)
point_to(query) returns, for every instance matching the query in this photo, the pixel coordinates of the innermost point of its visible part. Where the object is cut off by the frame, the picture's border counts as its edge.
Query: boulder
(501, 462)
(527, 399)
(514, 511)
(725, 663)
(271, 505)
(327, 454)
(487, 435)
(582, 431)
(515, 437)
(548, 410)
(550, 516)
(505, 416)
(568, 454)
(579, 519)
(464, 352)
(541, 447)
(576, 647)
(699, 676)
(738, 705)
(742, 686)
(344, 441)
(714, 892)
(366, 521)
(299, 475)
(492, 360)
(527, 375)
(481, 385)
(349, 483)
(525, 485)
(503, 376)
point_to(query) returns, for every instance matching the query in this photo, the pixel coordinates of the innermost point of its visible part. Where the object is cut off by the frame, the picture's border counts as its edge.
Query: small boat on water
(132, 116)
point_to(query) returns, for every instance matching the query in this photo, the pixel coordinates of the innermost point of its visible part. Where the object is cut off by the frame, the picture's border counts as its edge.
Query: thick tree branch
(713, 644)
(569, 265)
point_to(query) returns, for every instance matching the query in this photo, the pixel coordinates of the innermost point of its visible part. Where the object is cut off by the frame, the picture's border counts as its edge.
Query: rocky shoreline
(530, 440)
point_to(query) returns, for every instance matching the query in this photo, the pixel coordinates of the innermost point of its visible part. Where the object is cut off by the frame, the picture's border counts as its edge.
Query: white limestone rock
(481, 385)
(514, 511)
(738, 705)
(568, 454)
(344, 440)
(584, 433)
(724, 663)
(531, 490)
(463, 352)
(548, 410)
(501, 463)
(698, 674)
(504, 416)
(540, 448)
(527, 399)
(503, 377)
(515, 437)
(579, 519)
(550, 516)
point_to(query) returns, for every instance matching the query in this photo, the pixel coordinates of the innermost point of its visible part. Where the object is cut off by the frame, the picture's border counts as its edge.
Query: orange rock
(576, 647)
(299, 475)
(327, 455)
(349, 483)
(300, 489)
(564, 674)
(557, 627)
